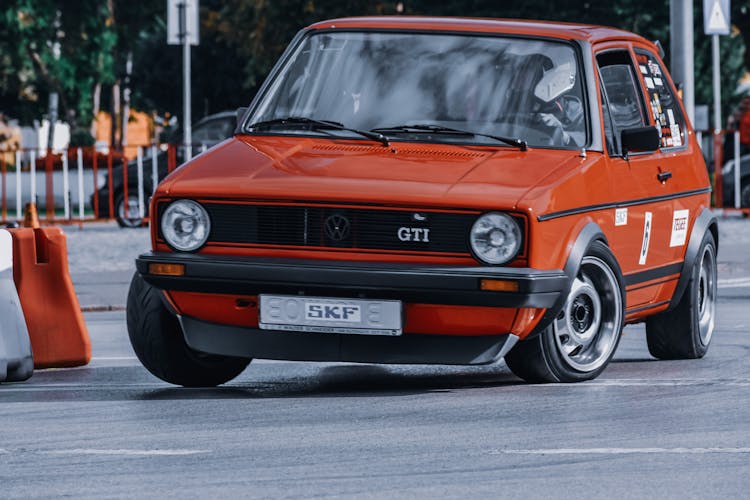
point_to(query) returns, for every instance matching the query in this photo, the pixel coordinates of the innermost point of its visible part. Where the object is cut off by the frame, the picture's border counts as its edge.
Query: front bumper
(450, 285)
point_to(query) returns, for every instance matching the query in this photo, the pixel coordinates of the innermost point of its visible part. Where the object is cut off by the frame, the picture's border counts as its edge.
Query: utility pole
(186, 95)
(681, 51)
(54, 98)
(182, 29)
(126, 99)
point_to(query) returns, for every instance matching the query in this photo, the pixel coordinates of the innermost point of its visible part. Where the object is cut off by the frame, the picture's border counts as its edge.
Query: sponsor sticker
(621, 217)
(649, 82)
(679, 228)
(646, 238)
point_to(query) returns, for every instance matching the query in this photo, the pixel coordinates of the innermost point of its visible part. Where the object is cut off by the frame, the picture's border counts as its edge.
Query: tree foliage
(241, 40)
(31, 64)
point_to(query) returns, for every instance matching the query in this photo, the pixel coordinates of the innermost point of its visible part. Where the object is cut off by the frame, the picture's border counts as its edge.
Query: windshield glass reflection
(522, 88)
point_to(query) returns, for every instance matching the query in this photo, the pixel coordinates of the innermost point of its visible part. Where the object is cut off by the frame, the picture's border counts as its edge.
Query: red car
(435, 190)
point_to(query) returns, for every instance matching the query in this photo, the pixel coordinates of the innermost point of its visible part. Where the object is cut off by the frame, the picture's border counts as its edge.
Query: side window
(665, 109)
(620, 95)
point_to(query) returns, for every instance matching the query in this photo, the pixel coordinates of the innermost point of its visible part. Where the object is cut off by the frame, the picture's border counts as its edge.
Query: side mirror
(640, 139)
(239, 114)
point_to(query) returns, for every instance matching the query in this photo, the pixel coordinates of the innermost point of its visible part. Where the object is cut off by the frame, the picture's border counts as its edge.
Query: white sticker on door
(621, 217)
(679, 228)
(646, 238)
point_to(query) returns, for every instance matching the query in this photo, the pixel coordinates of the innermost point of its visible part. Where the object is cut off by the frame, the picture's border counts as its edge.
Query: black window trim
(639, 92)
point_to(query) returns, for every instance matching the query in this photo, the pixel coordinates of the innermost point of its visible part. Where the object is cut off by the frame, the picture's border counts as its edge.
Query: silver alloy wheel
(132, 220)
(706, 290)
(587, 328)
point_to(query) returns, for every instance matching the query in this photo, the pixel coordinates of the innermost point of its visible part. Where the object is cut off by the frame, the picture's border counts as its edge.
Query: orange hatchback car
(435, 190)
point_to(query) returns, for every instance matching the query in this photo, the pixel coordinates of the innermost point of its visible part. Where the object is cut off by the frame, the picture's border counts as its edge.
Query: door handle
(664, 176)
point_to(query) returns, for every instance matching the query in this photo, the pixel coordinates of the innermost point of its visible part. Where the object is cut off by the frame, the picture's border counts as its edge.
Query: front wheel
(582, 339)
(157, 340)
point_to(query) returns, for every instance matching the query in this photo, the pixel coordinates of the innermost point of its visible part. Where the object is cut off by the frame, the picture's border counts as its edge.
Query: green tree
(54, 45)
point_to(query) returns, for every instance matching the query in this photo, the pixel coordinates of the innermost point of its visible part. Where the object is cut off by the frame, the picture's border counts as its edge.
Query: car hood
(413, 174)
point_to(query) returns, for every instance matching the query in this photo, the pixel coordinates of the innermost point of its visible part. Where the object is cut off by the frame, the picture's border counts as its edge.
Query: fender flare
(706, 221)
(590, 233)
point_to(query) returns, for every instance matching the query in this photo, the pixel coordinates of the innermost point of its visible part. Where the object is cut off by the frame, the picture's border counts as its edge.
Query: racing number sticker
(646, 238)
(679, 228)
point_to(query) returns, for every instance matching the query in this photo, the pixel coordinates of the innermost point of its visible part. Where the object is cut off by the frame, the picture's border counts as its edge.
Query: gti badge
(414, 234)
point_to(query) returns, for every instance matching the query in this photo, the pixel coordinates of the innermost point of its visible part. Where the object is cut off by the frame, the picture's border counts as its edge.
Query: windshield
(526, 89)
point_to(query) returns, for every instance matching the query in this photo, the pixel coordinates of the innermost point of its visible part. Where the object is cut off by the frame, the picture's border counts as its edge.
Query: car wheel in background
(685, 331)
(156, 337)
(582, 339)
(132, 219)
(745, 194)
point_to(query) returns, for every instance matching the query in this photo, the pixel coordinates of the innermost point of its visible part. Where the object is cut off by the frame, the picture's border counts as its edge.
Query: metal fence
(83, 184)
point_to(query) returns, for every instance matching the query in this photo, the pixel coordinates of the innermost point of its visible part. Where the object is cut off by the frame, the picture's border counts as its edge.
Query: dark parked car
(727, 174)
(207, 132)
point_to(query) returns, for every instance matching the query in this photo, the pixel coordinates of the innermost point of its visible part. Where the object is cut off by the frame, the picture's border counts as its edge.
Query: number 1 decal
(646, 238)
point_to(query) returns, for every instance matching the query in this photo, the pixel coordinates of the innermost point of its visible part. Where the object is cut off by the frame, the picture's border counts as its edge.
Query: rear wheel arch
(706, 221)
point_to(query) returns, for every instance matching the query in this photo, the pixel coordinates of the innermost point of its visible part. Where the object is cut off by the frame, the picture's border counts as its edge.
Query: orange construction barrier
(53, 316)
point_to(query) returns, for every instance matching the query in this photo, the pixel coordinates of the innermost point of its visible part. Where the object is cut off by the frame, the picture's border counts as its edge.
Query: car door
(642, 217)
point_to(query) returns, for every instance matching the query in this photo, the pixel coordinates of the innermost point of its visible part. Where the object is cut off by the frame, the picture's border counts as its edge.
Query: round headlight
(185, 225)
(495, 238)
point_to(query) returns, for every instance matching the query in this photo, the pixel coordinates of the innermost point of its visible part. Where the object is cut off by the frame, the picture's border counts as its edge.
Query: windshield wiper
(439, 129)
(320, 124)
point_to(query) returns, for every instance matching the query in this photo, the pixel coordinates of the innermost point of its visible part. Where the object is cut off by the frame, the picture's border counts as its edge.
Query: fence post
(32, 169)
(19, 194)
(95, 173)
(154, 170)
(80, 183)
(718, 152)
(66, 186)
(4, 194)
(111, 185)
(125, 195)
(737, 169)
(139, 159)
(49, 188)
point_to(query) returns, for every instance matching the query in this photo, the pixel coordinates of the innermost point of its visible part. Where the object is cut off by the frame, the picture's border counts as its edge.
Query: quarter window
(662, 101)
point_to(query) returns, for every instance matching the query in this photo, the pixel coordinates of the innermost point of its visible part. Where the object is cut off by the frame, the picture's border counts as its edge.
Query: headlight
(495, 238)
(185, 225)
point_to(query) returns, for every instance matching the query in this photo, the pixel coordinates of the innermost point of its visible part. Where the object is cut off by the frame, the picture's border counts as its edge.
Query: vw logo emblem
(338, 227)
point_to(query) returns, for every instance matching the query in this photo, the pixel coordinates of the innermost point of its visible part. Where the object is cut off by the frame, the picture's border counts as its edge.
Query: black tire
(132, 220)
(685, 331)
(157, 340)
(745, 195)
(581, 340)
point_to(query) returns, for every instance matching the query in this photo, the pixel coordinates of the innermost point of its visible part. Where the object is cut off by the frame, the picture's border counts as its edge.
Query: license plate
(325, 315)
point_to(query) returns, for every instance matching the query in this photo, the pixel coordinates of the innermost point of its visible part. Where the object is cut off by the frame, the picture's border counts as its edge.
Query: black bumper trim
(451, 285)
(238, 341)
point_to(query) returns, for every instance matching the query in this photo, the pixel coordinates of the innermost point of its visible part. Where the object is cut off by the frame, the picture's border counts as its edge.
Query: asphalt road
(645, 428)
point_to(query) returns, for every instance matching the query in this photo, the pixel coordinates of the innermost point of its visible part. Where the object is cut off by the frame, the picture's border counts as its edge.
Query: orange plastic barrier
(53, 316)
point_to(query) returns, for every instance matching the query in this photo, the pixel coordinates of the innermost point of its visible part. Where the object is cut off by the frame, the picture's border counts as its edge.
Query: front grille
(340, 227)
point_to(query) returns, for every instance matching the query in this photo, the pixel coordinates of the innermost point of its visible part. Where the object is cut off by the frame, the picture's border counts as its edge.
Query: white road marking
(114, 358)
(733, 282)
(123, 452)
(653, 383)
(620, 451)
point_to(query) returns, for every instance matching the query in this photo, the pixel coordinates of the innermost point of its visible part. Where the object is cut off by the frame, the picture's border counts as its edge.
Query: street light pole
(187, 119)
